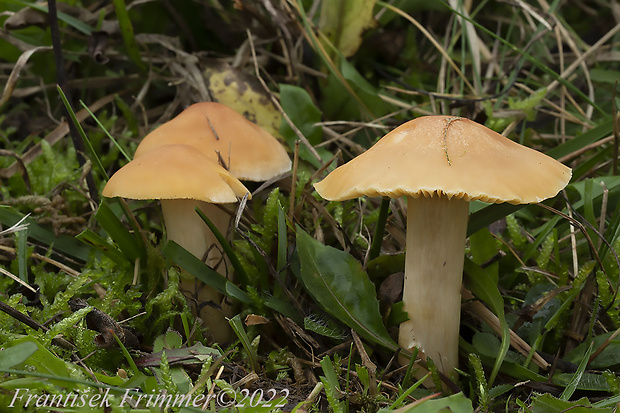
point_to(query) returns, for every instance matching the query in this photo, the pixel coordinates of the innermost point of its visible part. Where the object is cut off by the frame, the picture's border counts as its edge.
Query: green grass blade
(89, 237)
(127, 243)
(22, 253)
(92, 115)
(595, 134)
(128, 34)
(237, 327)
(92, 155)
(203, 272)
(574, 382)
(377, 240)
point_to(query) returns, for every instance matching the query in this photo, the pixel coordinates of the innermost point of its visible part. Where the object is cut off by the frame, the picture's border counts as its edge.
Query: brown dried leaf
(99, 321)
(24, 18)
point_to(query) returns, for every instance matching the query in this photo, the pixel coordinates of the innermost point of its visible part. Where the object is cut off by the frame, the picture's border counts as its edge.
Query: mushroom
(246, 150)
(440, 164)
(183, 179)
(222, 135)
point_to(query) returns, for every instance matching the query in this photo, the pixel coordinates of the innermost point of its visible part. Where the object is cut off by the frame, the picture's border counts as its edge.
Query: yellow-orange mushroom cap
(175, 172)
(249, 152)
(449, 156)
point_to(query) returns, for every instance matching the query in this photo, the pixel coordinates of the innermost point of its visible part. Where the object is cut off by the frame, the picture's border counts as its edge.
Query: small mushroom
(183, 179)
(440, 164)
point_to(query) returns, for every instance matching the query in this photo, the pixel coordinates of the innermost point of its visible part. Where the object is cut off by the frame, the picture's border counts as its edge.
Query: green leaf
(364, 89)
(332, 386)
(608, 358)
(323, 327)
(282, 242)
(299, 107)
(546, 403)
(344, 21)
(42, 360)
(587, 381)
(604, 76)
(12, 356)
(456, 403)
(340, 285)
(129, 38)
(482, 246)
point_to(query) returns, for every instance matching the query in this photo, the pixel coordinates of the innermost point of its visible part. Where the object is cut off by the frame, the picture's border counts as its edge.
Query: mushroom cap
(175, 172)
(447, 156)
(250, 153)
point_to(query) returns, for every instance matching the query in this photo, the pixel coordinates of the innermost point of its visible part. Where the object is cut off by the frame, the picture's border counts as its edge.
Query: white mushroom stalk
(440, 164)
(185, 227)
(436, 232)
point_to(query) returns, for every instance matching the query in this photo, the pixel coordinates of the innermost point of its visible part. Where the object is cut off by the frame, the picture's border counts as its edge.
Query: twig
(277, 104)
(19, 316)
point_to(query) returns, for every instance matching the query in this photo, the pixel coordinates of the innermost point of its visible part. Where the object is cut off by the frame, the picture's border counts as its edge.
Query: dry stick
(573, 241)
(584, 149)
(569, 40)
(491, 319)
(277, 104)
(291, 209)
(601, 224)
(614, 160)
(23, 318)
(584, 56)
(370, 366)
(17, 279)
(603, 346)
(61, 77)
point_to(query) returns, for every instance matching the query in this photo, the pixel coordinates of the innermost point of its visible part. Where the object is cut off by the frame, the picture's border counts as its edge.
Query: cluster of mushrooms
(439, 163)
(197, 160)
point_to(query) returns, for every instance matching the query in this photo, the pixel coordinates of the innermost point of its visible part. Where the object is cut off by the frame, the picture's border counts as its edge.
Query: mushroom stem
(185, 227)
(436, 232)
